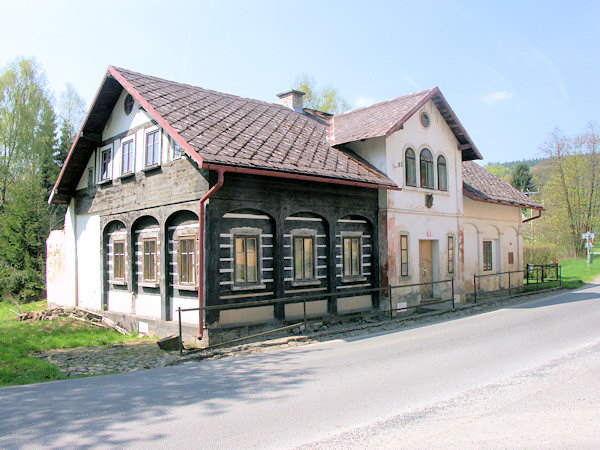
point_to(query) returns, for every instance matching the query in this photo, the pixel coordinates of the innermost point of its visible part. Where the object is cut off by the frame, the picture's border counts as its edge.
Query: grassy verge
(577, 269)
(19, 339)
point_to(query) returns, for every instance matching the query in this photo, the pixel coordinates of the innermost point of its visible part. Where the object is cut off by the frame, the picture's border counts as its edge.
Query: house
(179, 196)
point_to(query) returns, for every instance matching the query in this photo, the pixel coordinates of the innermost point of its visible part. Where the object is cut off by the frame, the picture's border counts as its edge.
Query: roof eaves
(414, 109)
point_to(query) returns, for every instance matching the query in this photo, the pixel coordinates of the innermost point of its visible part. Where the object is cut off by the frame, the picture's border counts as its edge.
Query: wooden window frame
(450, 254)
(441, 162)
(404, 255)
(406, 167)
(488, 255)
(312, 276)
(150, 132)
(123, 256)
(102, 177)
(131, 168)
(427, 165)
(245, 283)
(180, 261)
(146, 281)
(352, 236)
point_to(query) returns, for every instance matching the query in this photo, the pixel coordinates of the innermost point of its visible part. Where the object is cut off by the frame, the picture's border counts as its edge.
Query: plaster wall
(119, 301)
(89, 271)
(147, 305)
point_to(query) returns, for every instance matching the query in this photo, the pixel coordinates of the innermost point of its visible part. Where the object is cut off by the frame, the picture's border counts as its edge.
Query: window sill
(118, 282)
(107, 181)
(425, 190)
(183, 287)
(353, 279)
(126, 175)
(151, 168)
(149, 284)
(306, 283)
(248, 287)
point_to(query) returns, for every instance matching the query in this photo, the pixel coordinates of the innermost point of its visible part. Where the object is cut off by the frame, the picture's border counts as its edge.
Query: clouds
(495, 97)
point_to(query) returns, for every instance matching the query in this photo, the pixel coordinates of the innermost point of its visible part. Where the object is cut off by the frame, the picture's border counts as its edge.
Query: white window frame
(360, 276)
(125, 140)
(109, 148)
(247, 232)
(148, 131)
(304, 233)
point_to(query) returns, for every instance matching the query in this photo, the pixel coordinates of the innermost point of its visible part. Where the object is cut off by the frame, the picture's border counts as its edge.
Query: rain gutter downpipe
(211, 191)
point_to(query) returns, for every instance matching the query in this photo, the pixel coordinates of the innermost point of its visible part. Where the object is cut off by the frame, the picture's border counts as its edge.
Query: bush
(25, 285)
(540, 254)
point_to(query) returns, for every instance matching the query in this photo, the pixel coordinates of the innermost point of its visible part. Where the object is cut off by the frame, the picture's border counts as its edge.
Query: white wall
(89, 271)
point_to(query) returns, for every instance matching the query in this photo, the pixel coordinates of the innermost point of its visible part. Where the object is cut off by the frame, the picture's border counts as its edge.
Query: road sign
(587, 235)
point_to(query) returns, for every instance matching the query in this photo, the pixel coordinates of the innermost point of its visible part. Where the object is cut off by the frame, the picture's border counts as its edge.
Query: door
(426, 268)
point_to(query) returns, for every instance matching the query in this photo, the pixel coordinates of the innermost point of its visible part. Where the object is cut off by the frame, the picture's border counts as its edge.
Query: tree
(326, 99)
(571, 192)
(71, 114)
(521, 177)
(501, 171)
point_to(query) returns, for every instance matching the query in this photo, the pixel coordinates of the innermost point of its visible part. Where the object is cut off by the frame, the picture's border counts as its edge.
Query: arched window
(442, 174)
(411, 167)
(426, 167)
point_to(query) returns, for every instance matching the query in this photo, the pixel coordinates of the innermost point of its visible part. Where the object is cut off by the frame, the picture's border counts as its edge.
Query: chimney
(292, 99)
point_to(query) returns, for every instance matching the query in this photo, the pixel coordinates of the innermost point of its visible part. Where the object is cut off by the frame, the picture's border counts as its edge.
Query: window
(128, 104)
(404, 255)
(149, 260)
(442, 174)
(487, 255)
(246, 259)
(304, 258)
(187, 260)
(128, 156)
(119, 260)
(351, 257)
(105, 163)
(152, 148)
(176, 150)
(426, 168)
(450, 254)
(425, 119)
(411, 167)
(91, 180)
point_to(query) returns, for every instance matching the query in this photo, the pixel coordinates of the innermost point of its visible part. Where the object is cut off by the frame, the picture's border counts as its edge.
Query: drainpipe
(211, 191)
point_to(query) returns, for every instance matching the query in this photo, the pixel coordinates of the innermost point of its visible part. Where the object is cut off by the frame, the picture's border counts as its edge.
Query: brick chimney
(292, 99)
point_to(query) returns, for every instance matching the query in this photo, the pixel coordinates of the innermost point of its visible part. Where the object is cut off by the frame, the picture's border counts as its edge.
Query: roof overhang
(476, 198)
(465, 144)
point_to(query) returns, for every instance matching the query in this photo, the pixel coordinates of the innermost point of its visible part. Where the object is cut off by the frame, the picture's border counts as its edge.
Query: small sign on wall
(429, 234)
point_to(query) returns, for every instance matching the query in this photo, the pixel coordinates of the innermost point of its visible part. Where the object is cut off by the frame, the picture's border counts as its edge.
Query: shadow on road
(93, 409)
(580, 295)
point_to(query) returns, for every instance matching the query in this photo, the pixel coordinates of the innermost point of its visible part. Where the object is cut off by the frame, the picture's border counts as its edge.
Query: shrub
(540, 254)
(24, 285)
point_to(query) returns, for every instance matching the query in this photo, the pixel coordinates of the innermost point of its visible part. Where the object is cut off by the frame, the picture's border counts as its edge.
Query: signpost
(589, 244)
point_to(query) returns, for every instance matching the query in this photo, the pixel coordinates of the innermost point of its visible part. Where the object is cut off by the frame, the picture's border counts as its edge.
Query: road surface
(526, 376)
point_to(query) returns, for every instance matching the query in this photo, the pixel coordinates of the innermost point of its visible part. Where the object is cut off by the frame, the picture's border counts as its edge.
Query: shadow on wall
(91, 409)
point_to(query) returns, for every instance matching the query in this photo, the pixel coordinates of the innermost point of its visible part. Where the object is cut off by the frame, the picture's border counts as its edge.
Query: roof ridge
(363, 108)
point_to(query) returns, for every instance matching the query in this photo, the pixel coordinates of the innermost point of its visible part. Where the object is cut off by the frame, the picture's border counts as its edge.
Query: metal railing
(320, 296)
(534, 274)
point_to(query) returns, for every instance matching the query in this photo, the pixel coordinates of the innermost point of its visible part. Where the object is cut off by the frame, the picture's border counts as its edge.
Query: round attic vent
(425, 119)
(128, 105)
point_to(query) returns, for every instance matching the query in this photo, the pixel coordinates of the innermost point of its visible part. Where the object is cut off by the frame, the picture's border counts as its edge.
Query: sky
(512, 71)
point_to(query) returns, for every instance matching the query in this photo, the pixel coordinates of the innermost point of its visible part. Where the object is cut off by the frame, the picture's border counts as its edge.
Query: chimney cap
(291, 91)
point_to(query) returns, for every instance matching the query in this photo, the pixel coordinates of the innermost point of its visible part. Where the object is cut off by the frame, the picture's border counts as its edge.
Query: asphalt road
(524, 376)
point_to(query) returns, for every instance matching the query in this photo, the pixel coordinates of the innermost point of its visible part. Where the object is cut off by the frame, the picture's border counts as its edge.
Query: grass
(574, 272)
(18, 340)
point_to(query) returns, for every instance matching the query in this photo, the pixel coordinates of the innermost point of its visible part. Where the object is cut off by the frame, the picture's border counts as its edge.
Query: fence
(534, 274)
(390, 290)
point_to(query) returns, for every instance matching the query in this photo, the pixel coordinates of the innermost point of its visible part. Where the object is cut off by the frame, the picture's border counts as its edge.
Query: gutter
(534, 217)
(211, 191)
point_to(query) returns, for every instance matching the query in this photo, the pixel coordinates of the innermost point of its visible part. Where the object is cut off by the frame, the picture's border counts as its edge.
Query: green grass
(18, 340)
(577, 269)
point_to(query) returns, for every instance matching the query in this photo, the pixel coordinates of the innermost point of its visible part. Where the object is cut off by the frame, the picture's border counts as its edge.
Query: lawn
(19, 339)
(577, 269)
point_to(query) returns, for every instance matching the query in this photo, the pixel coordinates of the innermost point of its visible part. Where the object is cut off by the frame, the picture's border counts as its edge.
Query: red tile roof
(224, 129)
(481, 185)
(384, 118)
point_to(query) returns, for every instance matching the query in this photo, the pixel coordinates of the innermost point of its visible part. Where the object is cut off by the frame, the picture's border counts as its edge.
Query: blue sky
(512, 71)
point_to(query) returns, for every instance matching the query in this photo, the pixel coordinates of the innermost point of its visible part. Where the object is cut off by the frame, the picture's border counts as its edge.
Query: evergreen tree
(521, 177)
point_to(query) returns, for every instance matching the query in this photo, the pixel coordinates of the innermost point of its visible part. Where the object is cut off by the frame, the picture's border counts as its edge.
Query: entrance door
(426, 268)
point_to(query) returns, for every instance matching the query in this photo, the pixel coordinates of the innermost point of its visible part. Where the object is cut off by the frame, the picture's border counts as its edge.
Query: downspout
(211, 191)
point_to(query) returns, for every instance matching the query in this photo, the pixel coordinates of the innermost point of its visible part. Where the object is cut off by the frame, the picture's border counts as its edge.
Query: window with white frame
(187, 260)
(304, 257)
(152, 153)
(246, 259)
(404, 255)
(410, 167)
(119, 260)
(426, 169)
(351, 256)
(105, 163)
(450, 254)
(149, 260)
(128, 157)
(442, 173)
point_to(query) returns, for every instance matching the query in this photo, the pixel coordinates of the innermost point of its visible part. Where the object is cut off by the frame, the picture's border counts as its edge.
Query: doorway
(427, 267)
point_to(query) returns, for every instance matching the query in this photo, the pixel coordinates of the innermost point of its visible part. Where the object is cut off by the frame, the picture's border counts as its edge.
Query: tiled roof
(228, 130)
(385, 118)
(481, 185)
(375, 120)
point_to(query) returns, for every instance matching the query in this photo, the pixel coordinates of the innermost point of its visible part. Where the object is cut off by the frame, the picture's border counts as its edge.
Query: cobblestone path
(112, 358)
